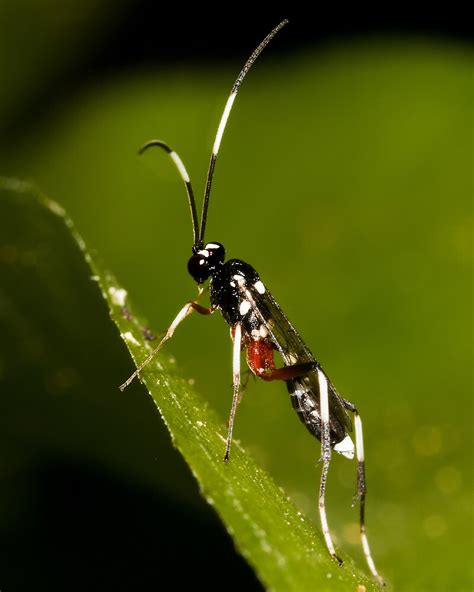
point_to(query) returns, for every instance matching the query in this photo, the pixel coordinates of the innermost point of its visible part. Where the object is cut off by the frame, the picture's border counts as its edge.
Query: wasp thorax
(204, 261)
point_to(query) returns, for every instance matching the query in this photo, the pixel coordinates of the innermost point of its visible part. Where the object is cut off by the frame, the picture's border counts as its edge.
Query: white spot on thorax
(245, 306)
(118, 295)
(203, 253)
(240, 278)
(259, 287)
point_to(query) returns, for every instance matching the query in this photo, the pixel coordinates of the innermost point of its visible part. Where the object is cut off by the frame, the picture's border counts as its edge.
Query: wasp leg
(237, 336)
(287, 372)
(326, 457)
(362, 489)
(183, 313)
(244, 382)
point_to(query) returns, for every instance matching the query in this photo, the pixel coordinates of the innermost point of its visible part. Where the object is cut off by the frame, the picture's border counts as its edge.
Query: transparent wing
(293, 350)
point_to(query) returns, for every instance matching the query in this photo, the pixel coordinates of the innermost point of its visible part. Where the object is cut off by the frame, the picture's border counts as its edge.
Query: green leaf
(283, 546)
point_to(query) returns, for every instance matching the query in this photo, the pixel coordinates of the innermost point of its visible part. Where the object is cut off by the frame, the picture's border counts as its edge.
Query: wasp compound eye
(198, 266)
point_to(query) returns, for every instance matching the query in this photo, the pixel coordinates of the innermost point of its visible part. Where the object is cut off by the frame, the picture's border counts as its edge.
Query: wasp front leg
(183, 313)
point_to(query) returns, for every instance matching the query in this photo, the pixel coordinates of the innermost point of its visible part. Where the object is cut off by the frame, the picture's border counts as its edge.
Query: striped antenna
(184, 175)
(223, 122)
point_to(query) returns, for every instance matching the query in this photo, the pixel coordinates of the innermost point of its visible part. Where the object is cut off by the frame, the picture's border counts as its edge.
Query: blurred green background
(345, 178)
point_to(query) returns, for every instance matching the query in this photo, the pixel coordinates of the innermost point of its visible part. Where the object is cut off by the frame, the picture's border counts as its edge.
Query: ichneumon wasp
(260, 327)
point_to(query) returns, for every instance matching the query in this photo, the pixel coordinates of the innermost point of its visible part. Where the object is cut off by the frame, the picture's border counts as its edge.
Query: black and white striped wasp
(259, 326)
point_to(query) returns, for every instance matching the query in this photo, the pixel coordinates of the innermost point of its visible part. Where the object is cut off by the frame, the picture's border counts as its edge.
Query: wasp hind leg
(362, 489)
(286, 373)
(325, 458)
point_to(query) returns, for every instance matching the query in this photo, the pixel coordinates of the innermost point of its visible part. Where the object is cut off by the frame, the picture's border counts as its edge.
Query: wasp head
(205, 261)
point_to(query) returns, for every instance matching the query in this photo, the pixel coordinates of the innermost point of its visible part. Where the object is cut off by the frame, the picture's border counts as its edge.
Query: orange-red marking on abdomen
(260, 359)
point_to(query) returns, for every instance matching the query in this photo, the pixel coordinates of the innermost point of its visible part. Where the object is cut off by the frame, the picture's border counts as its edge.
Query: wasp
(260, 328)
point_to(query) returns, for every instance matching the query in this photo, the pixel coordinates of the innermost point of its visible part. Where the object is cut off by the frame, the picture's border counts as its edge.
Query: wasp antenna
(184, 175)
(225, 117)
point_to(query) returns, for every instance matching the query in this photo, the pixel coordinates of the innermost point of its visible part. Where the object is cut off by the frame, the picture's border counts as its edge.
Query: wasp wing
(293, 350)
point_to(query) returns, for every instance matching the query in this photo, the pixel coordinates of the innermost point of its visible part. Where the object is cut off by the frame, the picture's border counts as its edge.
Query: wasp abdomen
(260, 358)
(306, 404)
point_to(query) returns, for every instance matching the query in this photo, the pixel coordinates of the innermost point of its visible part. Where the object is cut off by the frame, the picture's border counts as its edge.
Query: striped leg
(362, 490)
(183, 313)
(236, 382)
(326, 457)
